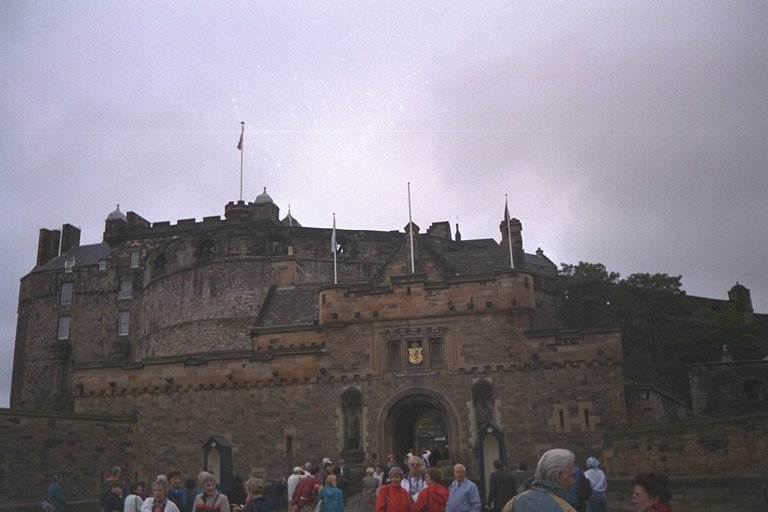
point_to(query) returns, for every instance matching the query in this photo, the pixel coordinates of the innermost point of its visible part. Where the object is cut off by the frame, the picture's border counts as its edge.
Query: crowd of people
(413, 485)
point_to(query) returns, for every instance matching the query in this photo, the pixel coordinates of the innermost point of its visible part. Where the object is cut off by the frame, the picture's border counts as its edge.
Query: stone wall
(734, 444)
(728, 386)
(78, 447)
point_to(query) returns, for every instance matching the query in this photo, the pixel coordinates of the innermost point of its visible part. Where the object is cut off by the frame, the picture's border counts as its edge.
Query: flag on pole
(333, 250)
(242, 131)
(333, 236)
(509, 232)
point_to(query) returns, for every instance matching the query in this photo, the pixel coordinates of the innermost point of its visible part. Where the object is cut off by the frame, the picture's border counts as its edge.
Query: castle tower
(516, 230)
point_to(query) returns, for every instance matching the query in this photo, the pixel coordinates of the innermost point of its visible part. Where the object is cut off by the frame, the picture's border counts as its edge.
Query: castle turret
(741, 297)
(115, 223)
(515, 229)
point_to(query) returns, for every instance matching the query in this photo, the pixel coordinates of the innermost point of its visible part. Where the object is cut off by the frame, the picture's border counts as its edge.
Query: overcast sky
(633, 134)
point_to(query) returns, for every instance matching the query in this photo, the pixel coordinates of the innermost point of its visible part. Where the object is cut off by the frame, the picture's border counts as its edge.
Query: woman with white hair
(598, 502)
(553, 478)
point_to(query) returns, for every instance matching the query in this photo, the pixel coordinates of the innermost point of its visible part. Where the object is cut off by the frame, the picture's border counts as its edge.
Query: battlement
(415, 297)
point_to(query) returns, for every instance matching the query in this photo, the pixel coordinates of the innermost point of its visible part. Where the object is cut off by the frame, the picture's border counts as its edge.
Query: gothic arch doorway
(417, 418)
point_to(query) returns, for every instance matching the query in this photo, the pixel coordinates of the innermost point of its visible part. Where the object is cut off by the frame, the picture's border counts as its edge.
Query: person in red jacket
(434, 496)
(392, 497)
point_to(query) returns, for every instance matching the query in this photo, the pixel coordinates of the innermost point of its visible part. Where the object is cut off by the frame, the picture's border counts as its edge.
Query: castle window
(126, 289)
(436, 353)
(207, 250)
(123, 322)
(64, 324)
(135, 259)
(67, 291)
(102, 265)
(394, 359)
(69, 265)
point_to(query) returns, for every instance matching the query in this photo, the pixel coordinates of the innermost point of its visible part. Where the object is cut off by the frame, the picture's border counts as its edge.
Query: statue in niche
(352, 436)
(351, 401)
(482, 395)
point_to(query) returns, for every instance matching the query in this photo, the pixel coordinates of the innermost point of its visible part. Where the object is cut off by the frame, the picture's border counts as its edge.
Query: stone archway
(417, 417)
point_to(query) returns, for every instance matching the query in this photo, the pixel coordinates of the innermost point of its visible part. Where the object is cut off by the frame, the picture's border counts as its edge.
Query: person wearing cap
(293, 481)
(303, 499)
(598, 502)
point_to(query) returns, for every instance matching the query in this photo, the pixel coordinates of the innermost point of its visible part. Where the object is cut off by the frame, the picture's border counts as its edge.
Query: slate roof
(291, 305)
(83, 255)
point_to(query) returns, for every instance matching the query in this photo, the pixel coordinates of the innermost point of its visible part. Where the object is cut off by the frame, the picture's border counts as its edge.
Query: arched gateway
(417, 417)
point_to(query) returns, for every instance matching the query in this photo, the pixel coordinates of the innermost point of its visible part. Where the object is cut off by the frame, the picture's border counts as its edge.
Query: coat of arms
(415, 353)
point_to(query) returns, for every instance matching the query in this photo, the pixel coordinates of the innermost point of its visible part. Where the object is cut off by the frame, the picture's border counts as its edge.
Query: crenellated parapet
(415, 297)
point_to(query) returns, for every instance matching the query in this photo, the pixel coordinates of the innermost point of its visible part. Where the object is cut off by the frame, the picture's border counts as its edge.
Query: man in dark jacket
(502, 487)
(114, 502)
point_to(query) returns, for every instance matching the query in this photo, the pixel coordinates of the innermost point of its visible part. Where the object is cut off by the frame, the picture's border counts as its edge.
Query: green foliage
(662, 330)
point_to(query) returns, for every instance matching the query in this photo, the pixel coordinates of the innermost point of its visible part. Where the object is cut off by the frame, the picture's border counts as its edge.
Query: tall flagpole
(509, 232)
(333, 250)
(410, 228)
(240, 147)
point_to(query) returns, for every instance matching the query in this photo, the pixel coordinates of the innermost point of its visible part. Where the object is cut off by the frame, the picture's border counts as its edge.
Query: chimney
(440, 230)
(70, 238)
(286, 270)
(47, 245)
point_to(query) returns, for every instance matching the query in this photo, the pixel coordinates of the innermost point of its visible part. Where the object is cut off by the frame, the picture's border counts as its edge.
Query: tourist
(342, 479)
(158, 501)
(414, 480)
(501, 487)
(330, 497)
(651, 493)
(434, 497)
(581, 491)
(463, 495)
(237, 494)
(293, 481)
(370, 485)
(554, 474)
(256, 500)
(378, 473)
(303, 499)
(55, 494)
(210, 500)
(393, 497)
(176, 492)
(133, 501)
(114, 501)
(599, 500)
(521, 477)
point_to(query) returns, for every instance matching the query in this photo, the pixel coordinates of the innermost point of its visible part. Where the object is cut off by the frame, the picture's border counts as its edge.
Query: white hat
(297, 469)
(326, 460)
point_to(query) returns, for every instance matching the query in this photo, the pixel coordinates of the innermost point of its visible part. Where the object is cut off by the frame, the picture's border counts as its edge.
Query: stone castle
(248, 344)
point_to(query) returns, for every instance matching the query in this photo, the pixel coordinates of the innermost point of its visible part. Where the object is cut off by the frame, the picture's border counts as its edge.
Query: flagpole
(410, 228)
(333, 250)
(509, 233)
(240, 147)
